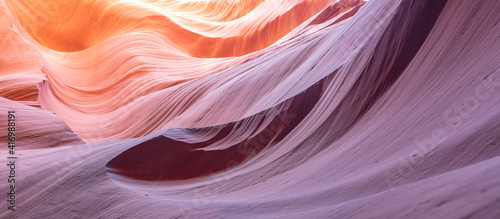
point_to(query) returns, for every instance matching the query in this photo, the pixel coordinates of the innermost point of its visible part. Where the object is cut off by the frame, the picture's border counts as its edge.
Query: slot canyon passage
(250, 108)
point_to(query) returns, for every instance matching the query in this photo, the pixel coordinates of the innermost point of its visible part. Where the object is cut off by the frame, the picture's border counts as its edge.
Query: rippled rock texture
(252, 108)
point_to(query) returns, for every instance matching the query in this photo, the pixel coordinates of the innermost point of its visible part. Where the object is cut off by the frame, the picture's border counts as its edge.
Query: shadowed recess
(163, 158)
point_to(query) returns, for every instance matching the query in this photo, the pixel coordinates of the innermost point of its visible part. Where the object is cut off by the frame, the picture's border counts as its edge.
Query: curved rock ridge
(133, 49)
(19, 64)
(36, 128)
(252, 108)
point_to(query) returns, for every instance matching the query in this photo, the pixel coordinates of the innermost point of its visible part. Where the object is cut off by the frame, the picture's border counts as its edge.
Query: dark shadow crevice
(163, 158)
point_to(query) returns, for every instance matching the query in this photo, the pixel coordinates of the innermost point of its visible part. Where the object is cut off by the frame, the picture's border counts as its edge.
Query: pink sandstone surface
(252, 108)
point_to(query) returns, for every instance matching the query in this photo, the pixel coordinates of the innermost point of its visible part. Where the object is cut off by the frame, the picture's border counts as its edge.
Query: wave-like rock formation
(252, 108)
